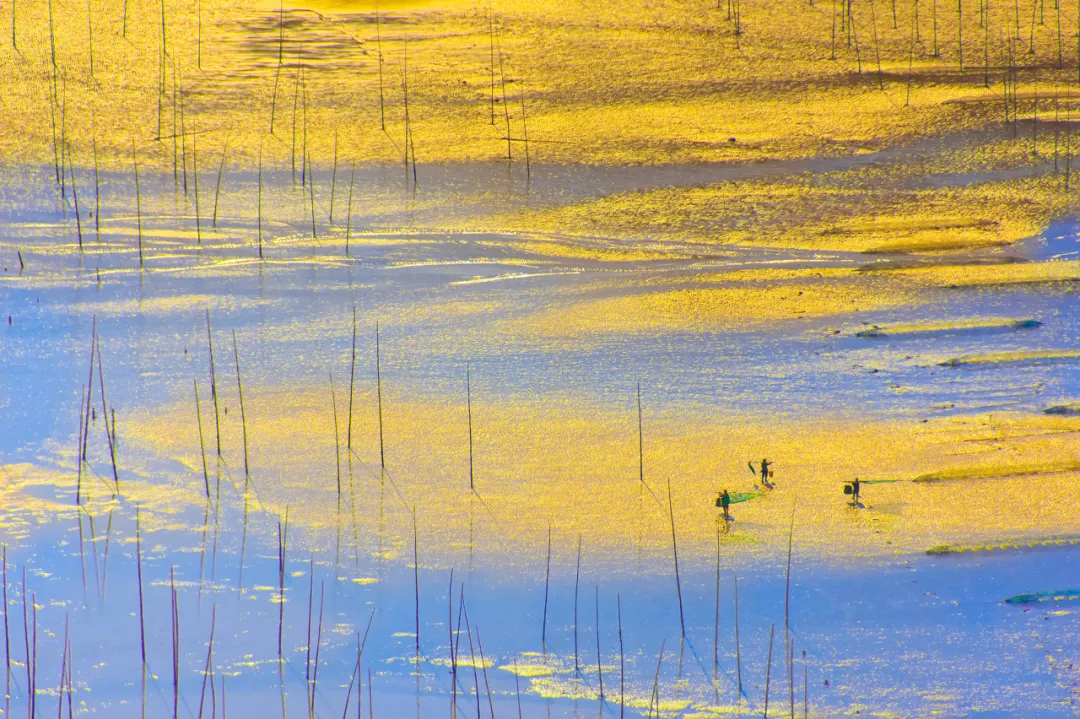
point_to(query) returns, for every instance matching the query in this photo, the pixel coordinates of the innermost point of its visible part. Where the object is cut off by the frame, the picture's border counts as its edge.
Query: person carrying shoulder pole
(855, 492)
(766, 472)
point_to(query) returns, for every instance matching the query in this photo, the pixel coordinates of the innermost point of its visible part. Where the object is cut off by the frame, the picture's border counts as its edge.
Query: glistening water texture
(529, 348)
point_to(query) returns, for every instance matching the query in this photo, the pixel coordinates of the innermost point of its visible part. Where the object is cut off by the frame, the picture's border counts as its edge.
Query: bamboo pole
(378, 384)
(768, 672)
(243, 415)
(221, 171)
(547, 586)
(468, 403)
(622, 661)
(577, 581)
(213, 385)
(675, 551)
(105, 417)
(599, 659)
(352, 382)
(138, 199)
(202, 444)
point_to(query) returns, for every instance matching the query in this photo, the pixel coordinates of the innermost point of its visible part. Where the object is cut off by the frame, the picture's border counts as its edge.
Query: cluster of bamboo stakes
(1016, 35)
(173, 126)
(65, 173)
(313, 657)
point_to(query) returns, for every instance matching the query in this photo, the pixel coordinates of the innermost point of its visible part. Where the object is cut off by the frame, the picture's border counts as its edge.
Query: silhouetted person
(765, 472)
(855, 491)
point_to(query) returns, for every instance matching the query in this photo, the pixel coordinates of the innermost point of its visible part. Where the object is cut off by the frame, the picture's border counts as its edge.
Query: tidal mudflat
(382, 360)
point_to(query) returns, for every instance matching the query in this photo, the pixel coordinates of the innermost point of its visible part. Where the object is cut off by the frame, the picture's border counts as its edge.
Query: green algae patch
(994, 358)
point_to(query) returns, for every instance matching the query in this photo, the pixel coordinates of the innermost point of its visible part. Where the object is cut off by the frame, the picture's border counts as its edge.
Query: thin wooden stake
(547, 586)
(768, 672)
(259, 207)
(599, 660)
(138, 199)
(175, 645)
(416, 579)
(202, 444)
(105, 418)
(7, 639)
(75, 197)
(348, 219)
(378, 383)
(468, 403)
(333, 178)
(577, 581)
(738, 652)
(352, 381)
(243, 416)
(221, 171)
(195, 177)
(213, 384)
(622, 661)
(675, 551)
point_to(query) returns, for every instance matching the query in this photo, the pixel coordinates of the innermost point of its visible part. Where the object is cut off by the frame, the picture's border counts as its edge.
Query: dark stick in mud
(175, 645)
(352, 380)
(273, 96)
(525, 134)
(654, 698)
(138, 199)
(787, 612)
(468, 404)
(89, 404)
(483, 667)
(378, 384)
(195, 178)
(333, 177)
(337, 439)
(577, 581)
(208, 671)
(33, 656)
(259, 204)
(547, 586)
(472, 651)
(318, 646)
(221, 171)
(716, 618)
(311, 195)
(7, 640)
(97, 187)
(105, 417)
(416, 580)
(806, 688)
(348, 218)
(307, 656)
(622, 661)
(26, 642)
(75, 197)
(599, 659)
(243, 415)
(63, 670)
(142, 615)
(382, 107)
(491, 58)
(213, 384)
(738, 652)
(202, 444)
(768, 670)
(675, 551)
(84, 409)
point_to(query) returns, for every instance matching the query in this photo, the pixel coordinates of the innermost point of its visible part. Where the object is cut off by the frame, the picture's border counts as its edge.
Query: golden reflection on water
(574, 467)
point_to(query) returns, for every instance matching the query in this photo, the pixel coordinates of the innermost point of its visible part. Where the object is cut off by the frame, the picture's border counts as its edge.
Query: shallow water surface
(889, 634)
